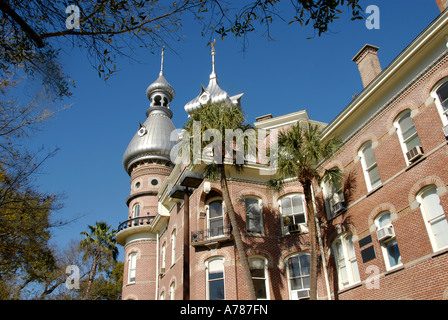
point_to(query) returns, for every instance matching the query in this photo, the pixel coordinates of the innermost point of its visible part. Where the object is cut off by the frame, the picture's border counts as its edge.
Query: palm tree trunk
(312, 234)
(236, 234)
(91, 277)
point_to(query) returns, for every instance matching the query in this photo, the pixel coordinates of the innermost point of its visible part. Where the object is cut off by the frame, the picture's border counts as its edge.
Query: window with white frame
(292, 209)
(346, 263)
(389, 245)
(258, 271)
(172, 290)
(298, 273)
(434, 216)
(333, 198)
(369, 166)
(215, 279)
(173, 247)
(163, 258)
(407, 133)
(215, 218)
(136, 210)
(254, 216)
(132, 262)
(440, 94)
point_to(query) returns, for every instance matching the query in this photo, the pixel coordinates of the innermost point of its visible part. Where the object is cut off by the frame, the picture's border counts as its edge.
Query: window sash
(253, 215)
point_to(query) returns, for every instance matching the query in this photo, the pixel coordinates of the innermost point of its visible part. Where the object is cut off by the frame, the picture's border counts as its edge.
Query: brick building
(384, 230)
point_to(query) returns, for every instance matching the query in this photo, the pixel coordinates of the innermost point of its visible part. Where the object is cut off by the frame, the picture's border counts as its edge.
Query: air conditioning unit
(338, 207)
(385, 232)
(294, 228)
(414, 153)
(301, 294)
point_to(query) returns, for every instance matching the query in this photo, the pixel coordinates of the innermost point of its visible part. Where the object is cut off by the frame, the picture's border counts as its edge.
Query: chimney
(368, 63)
(442, 4)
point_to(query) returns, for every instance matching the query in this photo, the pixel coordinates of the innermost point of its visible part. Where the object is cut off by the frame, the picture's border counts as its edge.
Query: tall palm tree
(220, 118)
(301, 151)
(100, 244)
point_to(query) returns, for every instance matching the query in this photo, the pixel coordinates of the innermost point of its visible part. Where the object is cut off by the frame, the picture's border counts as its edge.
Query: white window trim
(260, 203)
(207, 210)
(303, 224)
(173, 246)
(266, 275)
(133, 210)
(438, 103)
(427, 223)
(163, 253)
(172, 290)
(288, 276)
(132, 255)
(348, 262)
(400, 133)
(330, 199)
(384, 242)
(369, 185)
(207, 262)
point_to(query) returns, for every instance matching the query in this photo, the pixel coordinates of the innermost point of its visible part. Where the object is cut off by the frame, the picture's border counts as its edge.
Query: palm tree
(99, 244)
(301, 151)
(220, 117)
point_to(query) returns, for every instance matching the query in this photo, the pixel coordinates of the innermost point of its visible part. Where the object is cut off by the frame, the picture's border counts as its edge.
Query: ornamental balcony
(211, 238)
(134, 226)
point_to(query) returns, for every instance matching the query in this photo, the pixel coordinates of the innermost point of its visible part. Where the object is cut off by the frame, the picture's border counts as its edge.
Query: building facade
(383, 230)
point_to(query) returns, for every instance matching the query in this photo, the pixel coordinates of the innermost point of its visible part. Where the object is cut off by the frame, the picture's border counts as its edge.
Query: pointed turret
(213, 93)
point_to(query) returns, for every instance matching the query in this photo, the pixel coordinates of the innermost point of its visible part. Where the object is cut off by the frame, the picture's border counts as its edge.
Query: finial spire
(213, 52)
(161, 63)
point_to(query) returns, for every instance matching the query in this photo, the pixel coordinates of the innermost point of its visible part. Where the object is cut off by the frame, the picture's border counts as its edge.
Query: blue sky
(285, 75)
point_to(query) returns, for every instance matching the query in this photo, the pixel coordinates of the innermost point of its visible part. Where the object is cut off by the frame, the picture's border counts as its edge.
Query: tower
(147, 161)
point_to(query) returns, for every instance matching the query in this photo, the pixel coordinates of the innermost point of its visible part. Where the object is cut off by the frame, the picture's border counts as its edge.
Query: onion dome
(156, 137)
(213, 93)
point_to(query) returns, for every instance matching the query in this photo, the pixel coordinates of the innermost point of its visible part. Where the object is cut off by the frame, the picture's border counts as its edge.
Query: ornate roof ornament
(213, 93)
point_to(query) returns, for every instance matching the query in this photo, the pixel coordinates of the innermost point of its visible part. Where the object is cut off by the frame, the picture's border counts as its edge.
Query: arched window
(434, 217)
(173, 247)
(132, 262)
(333, 198)
(259, 273)
(292, 209)
(136, 210)
(215, 221)
(386, 236)
(298, 272)
(163, 258)
(440, 94)
(346, 263)
(254, 216)
(172, 290)
(407, 134)
(369, 166)
(215, 279)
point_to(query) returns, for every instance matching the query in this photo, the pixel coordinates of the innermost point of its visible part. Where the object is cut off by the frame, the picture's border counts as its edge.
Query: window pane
(393, 253)
(305, 264)
(384, 220)
(369, 156)
(286, 206)
(216, 289)
(297, 204)
(296, 284)
(431, 204)
(215, 209)
(374, 176)
(406, 123)
(293, 267)
(413, 142)
(443, 95)
(253, 215)
(299, 218)
(260, 288)
(440, 230)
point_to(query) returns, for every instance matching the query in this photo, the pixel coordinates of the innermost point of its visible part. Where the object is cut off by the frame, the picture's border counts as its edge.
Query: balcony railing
(134, 222)
(211, 235)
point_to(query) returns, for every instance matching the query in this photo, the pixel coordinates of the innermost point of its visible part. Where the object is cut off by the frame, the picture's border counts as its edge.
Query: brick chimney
(368, 63)
(442, 4)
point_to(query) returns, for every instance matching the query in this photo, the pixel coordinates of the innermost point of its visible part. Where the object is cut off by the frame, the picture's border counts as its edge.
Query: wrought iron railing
(211, 234)
(134, 222)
